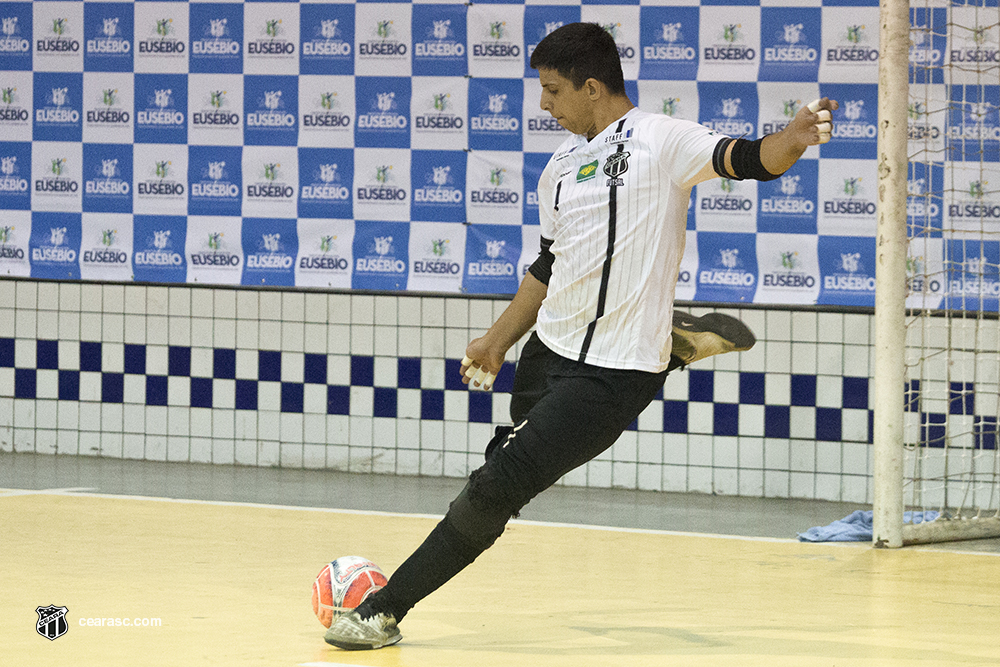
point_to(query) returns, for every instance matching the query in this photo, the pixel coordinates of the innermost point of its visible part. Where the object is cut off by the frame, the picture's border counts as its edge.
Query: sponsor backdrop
(397, 146)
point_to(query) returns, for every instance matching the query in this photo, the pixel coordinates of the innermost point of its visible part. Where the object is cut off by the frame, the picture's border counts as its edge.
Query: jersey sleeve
(546, 198)
(686, 150)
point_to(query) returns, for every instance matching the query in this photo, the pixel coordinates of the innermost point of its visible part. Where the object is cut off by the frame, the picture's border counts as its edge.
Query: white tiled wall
(387, 327)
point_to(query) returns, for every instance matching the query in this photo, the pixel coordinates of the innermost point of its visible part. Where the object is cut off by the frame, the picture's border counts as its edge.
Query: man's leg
(581, 414)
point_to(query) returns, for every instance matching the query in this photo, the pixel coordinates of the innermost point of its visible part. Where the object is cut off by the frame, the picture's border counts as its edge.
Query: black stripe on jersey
(558, 188)
(602, 295)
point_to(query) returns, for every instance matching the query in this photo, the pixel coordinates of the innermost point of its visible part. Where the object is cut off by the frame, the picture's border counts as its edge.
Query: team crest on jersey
(615, 166)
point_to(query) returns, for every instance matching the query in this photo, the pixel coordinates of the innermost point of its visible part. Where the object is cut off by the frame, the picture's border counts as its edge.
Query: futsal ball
(344, 584)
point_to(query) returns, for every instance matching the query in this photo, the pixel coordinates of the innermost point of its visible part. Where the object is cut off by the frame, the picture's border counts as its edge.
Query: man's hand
(482, 362)
(811, 126)
(484, 356)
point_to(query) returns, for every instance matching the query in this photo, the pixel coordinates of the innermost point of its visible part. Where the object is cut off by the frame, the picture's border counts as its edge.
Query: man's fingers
(478, 376)
(824, 120)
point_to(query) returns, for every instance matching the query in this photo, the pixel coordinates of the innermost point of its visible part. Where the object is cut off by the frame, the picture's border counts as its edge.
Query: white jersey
(615, 208)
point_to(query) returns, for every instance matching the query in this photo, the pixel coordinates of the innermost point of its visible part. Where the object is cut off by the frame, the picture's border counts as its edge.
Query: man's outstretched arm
(775, 154)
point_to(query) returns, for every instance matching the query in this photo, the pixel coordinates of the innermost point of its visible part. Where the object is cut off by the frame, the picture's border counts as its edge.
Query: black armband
(541, 268)
(745, 159)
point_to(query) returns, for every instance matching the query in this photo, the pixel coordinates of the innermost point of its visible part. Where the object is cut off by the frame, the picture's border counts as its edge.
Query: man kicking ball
(613, 206)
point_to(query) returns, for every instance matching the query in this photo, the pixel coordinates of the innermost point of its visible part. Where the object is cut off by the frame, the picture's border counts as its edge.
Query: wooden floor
(231, 584)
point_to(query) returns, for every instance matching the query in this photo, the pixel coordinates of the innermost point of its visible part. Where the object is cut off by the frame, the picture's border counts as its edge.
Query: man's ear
(595, 89)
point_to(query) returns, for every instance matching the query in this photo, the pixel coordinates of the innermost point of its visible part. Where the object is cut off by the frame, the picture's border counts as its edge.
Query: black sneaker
(698, 337)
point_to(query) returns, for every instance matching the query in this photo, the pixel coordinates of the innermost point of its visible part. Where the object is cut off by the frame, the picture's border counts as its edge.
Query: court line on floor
(86, 493)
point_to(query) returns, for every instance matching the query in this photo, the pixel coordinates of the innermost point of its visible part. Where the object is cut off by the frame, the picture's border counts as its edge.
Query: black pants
(564, 413)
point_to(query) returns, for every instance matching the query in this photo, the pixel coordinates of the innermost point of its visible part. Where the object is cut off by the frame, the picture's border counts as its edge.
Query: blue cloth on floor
(857, 527)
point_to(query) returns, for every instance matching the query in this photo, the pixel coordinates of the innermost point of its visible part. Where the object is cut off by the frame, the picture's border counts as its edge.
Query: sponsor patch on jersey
(587, 172)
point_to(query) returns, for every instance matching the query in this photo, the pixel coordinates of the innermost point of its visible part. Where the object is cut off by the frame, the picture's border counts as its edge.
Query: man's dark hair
(581, 51)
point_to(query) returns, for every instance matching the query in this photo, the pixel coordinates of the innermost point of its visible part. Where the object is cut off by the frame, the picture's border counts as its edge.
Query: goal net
(940, 460)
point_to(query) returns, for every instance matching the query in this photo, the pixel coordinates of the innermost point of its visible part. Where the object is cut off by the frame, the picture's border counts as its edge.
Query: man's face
(570, 107)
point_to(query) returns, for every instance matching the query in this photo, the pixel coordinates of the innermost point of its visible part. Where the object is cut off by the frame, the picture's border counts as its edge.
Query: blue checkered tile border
(213, 378)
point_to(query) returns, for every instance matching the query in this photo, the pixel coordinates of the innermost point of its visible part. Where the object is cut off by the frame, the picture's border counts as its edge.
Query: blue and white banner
(398, 145)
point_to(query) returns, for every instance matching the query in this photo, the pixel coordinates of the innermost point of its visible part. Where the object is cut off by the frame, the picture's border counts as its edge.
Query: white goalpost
(937, 336)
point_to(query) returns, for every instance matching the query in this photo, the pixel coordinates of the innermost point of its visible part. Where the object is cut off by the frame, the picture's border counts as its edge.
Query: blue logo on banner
(539, 22)
(216, 38)
(495, 107)
(381, 255)
(383, 112)
(668, 40)
(438, 182)
(15, 176)
(491, 256)
(271, 105)
(270, 247)
(974, 123)
(439, 40)
(924, 199)
(158, 248)
(787, 205)
(973, 274)
(790, 40)
(107, 178)
(928, 44)
(727, 267)
(326, 176)
(855, 124)
(728, 108)
(215, 178)
(161, 108)
(327, 34)
(58, 106)
(108, 29)
(534, 165)
(15, 40)
(55, 245)
(847, 267)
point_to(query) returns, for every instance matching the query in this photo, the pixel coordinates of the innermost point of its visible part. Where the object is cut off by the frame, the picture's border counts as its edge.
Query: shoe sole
(360, 646)
(712, 334)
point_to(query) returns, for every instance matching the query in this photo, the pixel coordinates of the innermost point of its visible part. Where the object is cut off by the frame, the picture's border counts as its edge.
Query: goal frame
(889, 530)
